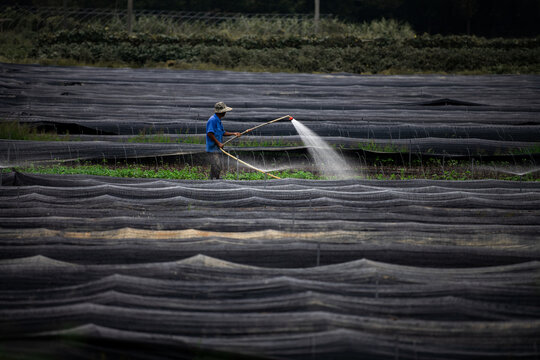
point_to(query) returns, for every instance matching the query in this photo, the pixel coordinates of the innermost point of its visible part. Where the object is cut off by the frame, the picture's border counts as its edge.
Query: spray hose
(288, 117)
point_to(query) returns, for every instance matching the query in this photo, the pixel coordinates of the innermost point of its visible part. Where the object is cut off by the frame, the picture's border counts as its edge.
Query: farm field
(113, 267)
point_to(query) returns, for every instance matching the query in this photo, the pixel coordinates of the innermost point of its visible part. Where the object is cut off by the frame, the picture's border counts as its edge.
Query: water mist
(327, 160)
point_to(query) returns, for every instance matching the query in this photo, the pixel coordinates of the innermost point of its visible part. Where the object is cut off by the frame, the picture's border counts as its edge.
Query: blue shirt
(214, 126)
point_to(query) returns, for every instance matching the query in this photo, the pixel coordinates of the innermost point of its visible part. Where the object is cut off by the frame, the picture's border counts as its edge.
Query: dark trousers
(216, 164)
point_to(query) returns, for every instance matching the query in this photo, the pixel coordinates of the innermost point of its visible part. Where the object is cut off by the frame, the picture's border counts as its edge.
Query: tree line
(489, 18)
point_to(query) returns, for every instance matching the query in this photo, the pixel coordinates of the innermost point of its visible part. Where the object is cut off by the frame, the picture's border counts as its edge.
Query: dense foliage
(264, 44)
(332, 53)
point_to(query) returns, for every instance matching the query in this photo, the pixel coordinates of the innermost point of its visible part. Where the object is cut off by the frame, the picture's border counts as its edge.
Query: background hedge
(335, 53)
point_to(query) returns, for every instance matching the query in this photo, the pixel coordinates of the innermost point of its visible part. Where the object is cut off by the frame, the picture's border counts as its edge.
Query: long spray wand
(288, 117)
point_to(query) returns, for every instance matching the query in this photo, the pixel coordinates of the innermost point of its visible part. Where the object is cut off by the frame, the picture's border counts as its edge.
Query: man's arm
(213, 138)
(237, 134)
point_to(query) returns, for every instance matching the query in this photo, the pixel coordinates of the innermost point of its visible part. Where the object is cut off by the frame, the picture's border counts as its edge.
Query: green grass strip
(134, 171)
(201, 173)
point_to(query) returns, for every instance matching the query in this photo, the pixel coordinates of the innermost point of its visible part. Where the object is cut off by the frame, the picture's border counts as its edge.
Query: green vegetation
(432, 169)
(298, 174)
(378, 166)
(533, 149)
(232, 28)
(132, 171)
(16, 46)
(13, 130)
(258, 44)
(493, 18)
(337, 53)
(185, 172)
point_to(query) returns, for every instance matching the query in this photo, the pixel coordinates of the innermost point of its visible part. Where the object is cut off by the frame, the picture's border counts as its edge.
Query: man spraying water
(214, 138)
(326, 159)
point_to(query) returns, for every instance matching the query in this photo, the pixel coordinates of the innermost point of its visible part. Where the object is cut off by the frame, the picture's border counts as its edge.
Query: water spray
(327, 160)
(286, 117)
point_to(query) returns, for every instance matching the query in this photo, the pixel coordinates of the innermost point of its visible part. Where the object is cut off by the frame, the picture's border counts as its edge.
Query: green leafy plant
(185, 172)
(254, 175)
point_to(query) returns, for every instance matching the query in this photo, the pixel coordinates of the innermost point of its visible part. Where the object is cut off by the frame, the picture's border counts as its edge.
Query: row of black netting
(454, 116)
(289, 269)
(24, 153)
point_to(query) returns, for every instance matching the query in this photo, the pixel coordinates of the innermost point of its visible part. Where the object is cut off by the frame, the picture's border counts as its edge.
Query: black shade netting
(294, 269)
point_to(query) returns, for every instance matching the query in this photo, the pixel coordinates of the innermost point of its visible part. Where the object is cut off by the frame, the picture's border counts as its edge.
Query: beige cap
(220, 107)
